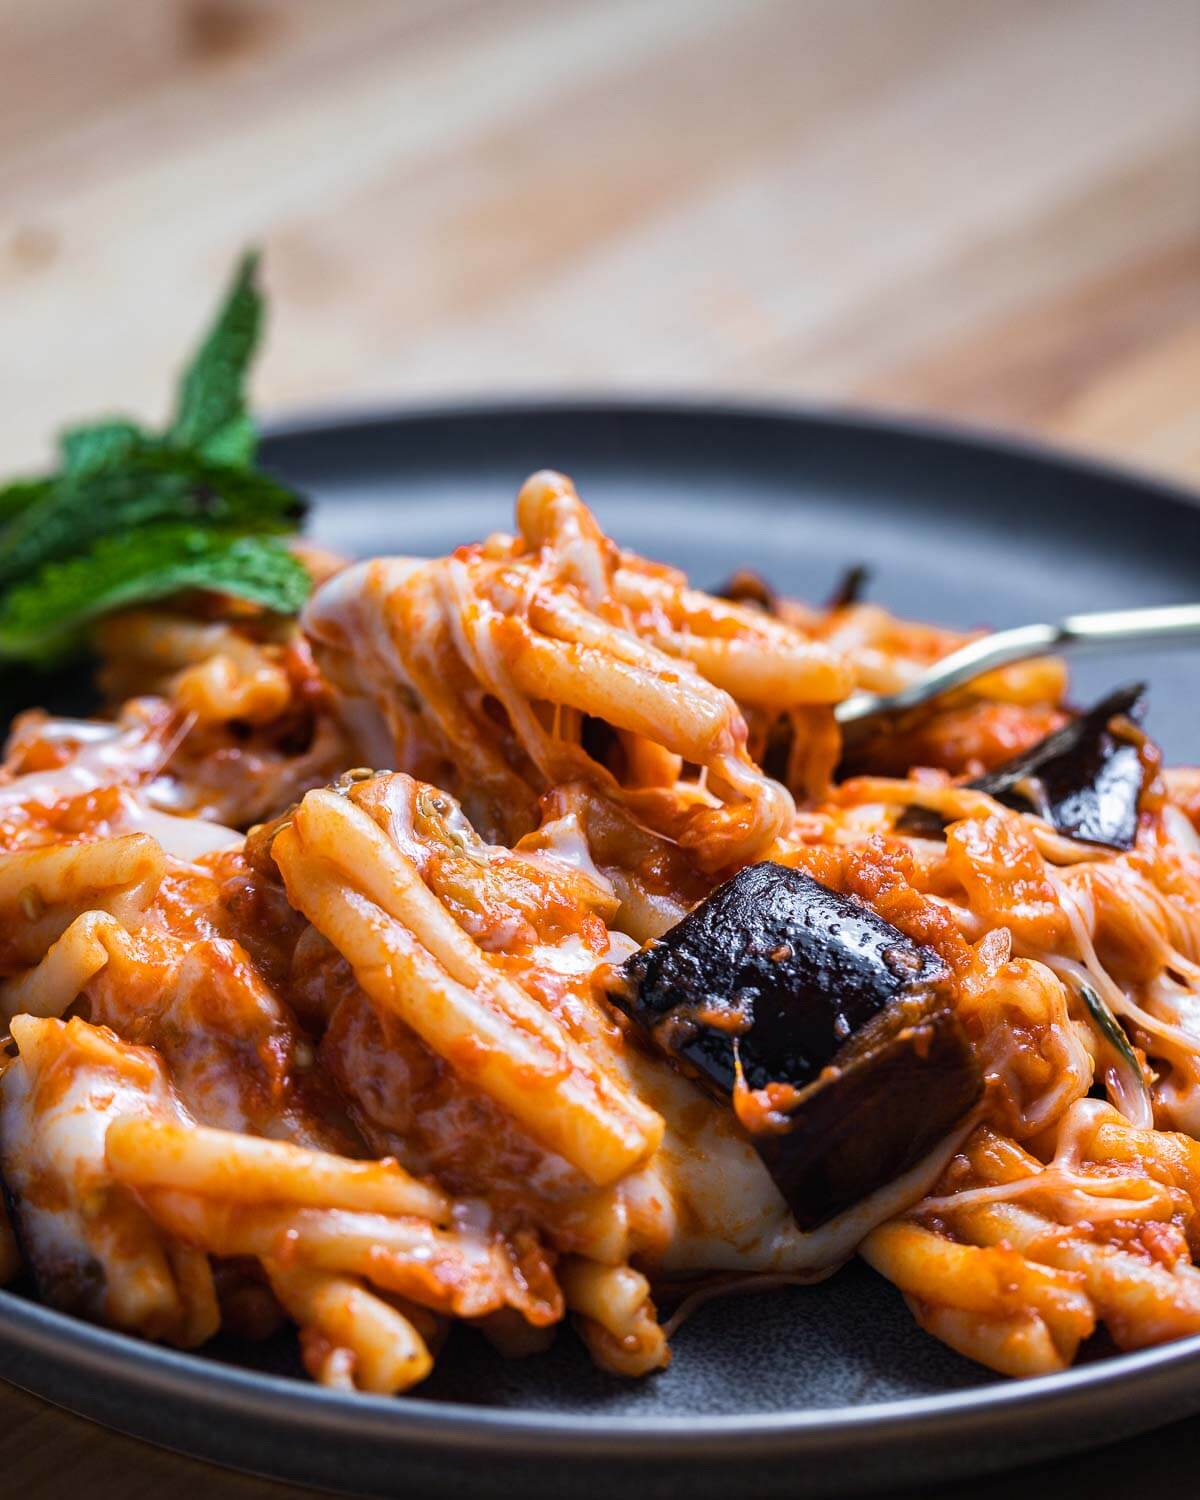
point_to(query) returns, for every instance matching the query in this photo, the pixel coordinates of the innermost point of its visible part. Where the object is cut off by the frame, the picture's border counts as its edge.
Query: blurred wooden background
(983, 209)
(988, 209)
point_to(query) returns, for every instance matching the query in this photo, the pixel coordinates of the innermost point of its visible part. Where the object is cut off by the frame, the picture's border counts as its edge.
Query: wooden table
(985, 210)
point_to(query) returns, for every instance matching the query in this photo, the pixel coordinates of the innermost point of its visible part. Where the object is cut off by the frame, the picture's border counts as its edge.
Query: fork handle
(1167, 622)
(1099, 631)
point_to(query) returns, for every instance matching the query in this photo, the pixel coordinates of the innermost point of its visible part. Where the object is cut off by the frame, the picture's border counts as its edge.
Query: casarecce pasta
(429, 960)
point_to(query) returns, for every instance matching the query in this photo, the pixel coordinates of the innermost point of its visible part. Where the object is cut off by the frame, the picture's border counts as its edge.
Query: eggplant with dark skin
(1085, 779)
(850, 587)
(748, 587)
(776, 980)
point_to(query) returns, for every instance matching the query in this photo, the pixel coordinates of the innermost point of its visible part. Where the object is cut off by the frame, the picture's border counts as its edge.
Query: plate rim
(296, 423)
(189, 1374)
(53, 1336)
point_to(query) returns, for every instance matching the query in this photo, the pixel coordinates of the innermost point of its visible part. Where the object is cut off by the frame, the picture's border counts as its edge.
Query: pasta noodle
(316, 956)
(249, 1169)
(337, 1313)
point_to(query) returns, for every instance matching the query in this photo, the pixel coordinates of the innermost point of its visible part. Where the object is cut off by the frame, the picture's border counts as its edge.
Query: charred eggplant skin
(808, 988)
(1089, 778)
(850, 587)
(749, 588)
(778, 963)
(880, 1108)
(1086, 780)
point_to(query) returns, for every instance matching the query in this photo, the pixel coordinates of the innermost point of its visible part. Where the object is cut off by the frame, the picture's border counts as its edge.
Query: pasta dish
(510, 939)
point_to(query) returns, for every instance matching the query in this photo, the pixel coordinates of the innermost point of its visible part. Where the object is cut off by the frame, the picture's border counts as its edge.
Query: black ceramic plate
(820, 1389)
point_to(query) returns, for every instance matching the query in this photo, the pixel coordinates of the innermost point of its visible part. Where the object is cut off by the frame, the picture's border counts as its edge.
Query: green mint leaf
(21, 493)
(45, 618)
(150, 484)
(234, 444)
(97, 446)
(211, 408)
(132, 516)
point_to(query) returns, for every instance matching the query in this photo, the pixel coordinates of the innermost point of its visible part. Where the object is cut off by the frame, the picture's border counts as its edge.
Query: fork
(863, 715)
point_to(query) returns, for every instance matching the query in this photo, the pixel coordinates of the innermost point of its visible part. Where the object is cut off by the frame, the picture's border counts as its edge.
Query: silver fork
(865, 714)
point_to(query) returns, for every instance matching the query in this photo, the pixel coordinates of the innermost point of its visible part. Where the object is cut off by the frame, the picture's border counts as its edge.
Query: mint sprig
(211, 414)
(19, 493)
(95, 535)
(42, 621)
(150, 483)
(98, 447)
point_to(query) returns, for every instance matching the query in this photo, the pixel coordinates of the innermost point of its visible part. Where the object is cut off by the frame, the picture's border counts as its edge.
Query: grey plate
(817, 1390)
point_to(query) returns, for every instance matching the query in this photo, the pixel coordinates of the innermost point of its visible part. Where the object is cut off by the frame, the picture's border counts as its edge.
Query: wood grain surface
(981, 209)
(988, 210)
